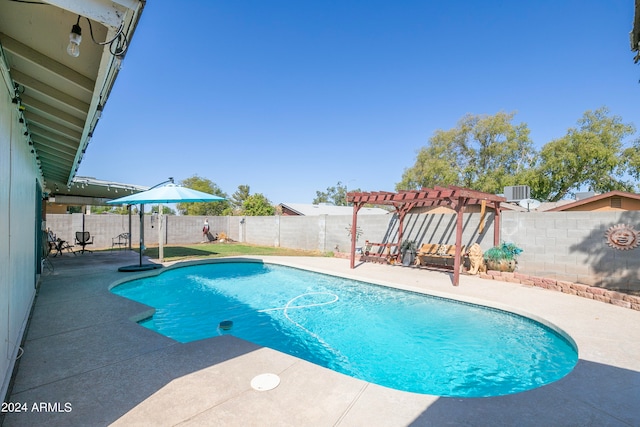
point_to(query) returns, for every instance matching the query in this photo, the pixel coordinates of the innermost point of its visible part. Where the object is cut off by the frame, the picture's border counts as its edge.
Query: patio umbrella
(170, 193)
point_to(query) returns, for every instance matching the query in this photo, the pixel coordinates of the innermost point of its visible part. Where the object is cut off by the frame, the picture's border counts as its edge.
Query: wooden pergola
(456, 198)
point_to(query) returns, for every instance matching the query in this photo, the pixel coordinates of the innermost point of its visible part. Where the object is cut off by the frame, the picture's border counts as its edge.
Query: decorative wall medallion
(622, 237)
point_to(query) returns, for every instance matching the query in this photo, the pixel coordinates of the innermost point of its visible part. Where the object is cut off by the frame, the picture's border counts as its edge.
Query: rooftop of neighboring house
(305, 209)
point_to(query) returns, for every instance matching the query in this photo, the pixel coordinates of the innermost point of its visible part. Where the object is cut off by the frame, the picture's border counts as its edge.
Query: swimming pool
(394, 338)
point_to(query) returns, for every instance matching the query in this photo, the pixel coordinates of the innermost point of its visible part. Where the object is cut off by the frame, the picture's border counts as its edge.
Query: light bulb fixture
(75, 37)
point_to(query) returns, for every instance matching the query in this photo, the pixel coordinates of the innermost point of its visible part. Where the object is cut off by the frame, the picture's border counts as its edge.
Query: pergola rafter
(403, 201)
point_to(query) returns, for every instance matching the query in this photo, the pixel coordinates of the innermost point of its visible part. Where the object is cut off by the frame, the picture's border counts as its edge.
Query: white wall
(17, 234)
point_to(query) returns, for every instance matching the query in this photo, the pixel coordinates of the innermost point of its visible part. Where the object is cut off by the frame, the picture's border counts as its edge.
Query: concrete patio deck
(86, 363)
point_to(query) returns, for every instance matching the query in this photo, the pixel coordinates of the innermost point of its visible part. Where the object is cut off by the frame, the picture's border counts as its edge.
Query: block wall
(568, 246)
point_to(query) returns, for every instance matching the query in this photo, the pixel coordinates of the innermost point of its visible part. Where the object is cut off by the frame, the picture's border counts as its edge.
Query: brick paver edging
(599, 294)
(592, 292)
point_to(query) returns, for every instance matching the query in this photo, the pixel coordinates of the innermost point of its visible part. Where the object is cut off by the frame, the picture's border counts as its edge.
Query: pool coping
(83, 348)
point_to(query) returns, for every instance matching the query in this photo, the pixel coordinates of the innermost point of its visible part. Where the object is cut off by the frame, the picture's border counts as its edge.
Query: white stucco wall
(17, 234)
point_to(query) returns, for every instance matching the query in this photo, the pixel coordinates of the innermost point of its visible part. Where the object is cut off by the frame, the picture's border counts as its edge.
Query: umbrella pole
(160, 239)
(130, 231)
(141, 231)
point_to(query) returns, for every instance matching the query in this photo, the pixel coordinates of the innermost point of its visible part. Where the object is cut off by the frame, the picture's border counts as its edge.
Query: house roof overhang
(615, 193)
(59, 98)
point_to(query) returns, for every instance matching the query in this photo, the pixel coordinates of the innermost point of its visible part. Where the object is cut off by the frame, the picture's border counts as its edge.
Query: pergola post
(496, 225)
(459, 224)
(354, 229)
(401, 213)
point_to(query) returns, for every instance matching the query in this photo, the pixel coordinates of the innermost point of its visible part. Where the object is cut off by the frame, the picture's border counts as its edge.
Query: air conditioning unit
(516, 193)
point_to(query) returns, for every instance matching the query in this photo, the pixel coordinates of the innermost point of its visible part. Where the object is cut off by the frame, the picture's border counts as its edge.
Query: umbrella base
(139, 267)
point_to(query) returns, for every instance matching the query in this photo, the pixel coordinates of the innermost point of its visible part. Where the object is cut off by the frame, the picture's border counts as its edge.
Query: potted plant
(358, 234)
(408, 250)
(502, 257)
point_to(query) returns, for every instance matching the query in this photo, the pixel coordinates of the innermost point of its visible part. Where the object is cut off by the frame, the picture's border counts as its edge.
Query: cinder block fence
(563, 247)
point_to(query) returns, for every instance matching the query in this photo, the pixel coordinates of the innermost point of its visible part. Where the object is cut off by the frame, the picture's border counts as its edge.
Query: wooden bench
(379, 252)
(438, 255)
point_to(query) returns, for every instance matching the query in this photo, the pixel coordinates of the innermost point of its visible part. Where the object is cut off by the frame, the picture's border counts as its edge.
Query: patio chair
(120, 240)
(57, 245)
(83, 238)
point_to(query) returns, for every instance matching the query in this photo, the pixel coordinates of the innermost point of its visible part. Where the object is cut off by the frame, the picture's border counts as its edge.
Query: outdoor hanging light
(75, 37)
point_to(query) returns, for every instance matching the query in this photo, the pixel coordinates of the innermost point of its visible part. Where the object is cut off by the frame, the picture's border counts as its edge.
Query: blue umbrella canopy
(170, 193)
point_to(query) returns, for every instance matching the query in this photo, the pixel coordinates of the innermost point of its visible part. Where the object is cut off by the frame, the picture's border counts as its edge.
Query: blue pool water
(394, 338)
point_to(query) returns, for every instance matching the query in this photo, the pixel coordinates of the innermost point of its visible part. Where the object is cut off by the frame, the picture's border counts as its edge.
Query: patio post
(496, 225)
(459, 223)
(354, 228)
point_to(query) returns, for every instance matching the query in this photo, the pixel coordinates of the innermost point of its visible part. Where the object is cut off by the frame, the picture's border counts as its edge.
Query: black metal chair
(57, 245)
(83, 238)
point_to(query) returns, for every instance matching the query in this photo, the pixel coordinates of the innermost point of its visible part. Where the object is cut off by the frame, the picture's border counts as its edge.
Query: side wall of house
(18, 242)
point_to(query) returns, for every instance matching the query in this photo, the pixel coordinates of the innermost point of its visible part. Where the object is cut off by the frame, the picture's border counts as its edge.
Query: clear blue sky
(290, 97)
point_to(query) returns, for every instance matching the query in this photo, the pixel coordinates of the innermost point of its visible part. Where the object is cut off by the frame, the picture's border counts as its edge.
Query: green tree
(238, 198)
(257, 205)
(592, 155)
(633, 155)
(208, 208)
(96, 210)
(117, 210)
(336, 195)
(482, 152)
(122, 210)
(166, 210)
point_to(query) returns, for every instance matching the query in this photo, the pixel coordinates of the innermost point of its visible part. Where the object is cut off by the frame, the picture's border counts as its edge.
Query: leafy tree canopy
(238, 198)
(482, 152)
(117, 210)
(166, 210)
(257, 205)
(335, 195)
(487, 153)
(592, 155)
(208, 208)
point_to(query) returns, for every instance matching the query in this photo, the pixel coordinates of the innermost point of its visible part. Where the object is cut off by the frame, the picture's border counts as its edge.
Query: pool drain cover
(265, 382)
